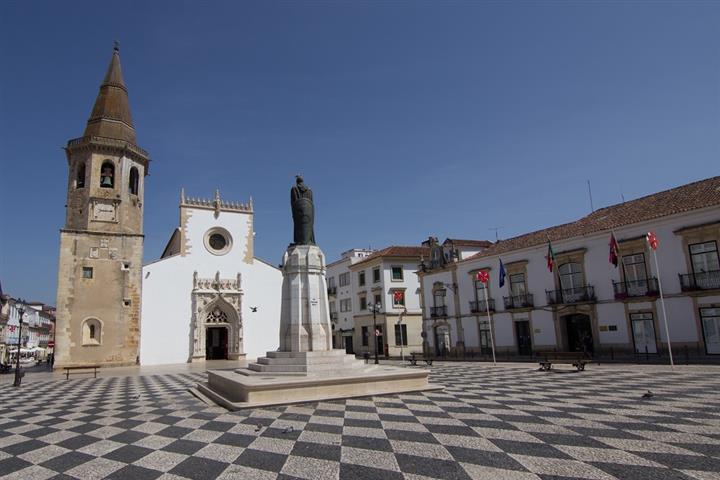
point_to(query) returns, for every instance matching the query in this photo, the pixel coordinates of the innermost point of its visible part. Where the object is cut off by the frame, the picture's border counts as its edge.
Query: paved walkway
(505, 422)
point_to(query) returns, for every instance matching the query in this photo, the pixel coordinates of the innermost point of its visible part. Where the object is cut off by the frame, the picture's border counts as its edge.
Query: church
(207, 297)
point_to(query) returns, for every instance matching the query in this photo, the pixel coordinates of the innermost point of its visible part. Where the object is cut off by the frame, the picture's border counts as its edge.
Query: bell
(106, 181)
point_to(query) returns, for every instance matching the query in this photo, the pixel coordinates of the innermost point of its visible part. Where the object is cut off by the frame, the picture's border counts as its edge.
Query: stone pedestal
(306, 368)
(305, 318)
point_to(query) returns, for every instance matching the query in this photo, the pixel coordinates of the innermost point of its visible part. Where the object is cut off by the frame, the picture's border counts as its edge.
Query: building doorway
(579, 333)
(643, 329)
(216, 343)
(442, 340)
(522, 335)
(349, 348)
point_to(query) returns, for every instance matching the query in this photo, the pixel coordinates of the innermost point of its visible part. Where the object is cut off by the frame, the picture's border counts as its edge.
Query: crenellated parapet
(216, 203)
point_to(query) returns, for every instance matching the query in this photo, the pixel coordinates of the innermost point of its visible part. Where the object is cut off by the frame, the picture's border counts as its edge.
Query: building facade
(208, 296)
(384, 280)
(101, 244)
(586, 303)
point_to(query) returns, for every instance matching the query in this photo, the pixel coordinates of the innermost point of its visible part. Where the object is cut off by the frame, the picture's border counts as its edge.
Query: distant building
(586, 303)
(385, 278)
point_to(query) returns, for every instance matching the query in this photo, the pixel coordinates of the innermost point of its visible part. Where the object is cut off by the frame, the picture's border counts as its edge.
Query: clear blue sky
(407, 119)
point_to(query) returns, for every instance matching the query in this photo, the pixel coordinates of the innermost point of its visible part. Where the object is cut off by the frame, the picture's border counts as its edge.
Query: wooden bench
(415, 357)
(68, 371)
(576, 359)
(5, 367)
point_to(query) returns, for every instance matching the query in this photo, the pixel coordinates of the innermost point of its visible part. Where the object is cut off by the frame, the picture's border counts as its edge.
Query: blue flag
(501, 274)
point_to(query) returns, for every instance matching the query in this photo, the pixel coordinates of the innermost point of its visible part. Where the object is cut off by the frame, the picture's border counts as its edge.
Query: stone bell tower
(101, 245)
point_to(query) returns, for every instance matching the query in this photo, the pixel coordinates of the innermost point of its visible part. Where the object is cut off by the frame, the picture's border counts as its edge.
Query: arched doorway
(442, 340)
(216, 343)
(578, 329)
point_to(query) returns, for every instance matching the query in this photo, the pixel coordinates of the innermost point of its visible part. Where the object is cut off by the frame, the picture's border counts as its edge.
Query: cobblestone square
(510, 421)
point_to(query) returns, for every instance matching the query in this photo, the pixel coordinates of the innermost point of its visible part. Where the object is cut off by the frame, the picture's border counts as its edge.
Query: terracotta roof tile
(396, 251)
(468, 243)
(693, 196)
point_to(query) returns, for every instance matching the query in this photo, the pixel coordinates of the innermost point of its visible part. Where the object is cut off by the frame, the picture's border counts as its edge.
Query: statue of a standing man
(303, 212)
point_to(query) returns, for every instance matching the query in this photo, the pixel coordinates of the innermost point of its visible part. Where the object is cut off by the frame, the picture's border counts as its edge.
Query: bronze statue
(303, 212)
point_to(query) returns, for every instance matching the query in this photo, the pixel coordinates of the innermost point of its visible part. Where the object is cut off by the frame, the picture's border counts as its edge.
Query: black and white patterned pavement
(504, 422)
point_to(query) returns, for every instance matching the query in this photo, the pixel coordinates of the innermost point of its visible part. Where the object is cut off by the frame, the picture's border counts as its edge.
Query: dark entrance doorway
(216, 343)
(579, 333)
(349, 345)
(522, 335)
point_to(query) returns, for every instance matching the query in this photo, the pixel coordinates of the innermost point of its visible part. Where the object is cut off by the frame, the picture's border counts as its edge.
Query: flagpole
(487, 309)
(662, 302)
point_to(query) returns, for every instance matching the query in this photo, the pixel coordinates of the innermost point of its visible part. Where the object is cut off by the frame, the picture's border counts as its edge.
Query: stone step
(326, 367)
(334, 360)
(320, 353)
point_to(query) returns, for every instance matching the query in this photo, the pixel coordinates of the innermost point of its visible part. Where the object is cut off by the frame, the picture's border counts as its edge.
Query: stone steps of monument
(257, 367)
(321, 360)
(312, 354)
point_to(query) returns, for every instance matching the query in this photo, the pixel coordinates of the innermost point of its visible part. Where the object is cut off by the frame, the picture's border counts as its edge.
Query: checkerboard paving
(489, 422)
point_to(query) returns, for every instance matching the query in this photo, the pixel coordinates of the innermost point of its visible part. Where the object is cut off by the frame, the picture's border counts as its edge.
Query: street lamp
(399, 322)
(20, 307)
(374, 309)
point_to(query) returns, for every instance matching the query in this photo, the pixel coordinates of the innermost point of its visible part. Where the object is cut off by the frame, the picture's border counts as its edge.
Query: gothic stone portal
(216, 326)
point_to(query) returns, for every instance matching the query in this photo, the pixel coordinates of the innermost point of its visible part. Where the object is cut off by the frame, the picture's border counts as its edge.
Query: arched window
(91, 332)
(107, 175)
(80, 176)
(134, 181)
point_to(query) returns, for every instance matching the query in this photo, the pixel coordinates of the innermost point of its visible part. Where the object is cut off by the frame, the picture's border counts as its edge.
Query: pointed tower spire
(110, 116)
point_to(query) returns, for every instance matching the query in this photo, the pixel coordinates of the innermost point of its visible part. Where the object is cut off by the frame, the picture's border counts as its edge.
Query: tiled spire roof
(110, 116)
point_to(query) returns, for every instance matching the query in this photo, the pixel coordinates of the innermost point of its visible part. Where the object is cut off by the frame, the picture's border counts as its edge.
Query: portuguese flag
(550, 257)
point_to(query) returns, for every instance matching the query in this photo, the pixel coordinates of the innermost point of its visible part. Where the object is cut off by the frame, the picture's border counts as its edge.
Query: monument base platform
(296, 377)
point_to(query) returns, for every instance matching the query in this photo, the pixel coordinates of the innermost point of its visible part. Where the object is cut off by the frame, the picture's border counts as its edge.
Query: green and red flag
(550, 257)
(614, 250)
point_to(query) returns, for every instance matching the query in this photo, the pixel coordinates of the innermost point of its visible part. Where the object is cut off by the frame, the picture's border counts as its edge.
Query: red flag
(482, 276)
(652, 240)
(398, 296)
(614, 250)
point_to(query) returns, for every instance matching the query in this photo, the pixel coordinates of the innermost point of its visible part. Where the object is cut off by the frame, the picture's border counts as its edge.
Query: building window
(710, 319)
(398, 297)
(344, 279)
(91, 332)
(643, 329)
(704, 257)
(517, 284)
(361, 278)
(331, 282)
(363, 302)
(107, 175)
(479, 290)
(378, 300)
(332, 307)
(218, 241)
(571, 276)
(634, 267)
(397, 274)
(345, 305)
(80, 176)
(439, 297)
(376, 275)
(134, 181)
(365, 336)
(87, 272)
(401, 335)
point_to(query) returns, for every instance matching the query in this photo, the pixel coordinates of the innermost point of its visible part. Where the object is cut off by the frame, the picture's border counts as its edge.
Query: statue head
(298, 179)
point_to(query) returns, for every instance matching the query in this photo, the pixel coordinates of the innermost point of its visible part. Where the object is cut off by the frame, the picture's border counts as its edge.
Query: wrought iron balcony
(700, 281)
(519, 301)
(647, 287)
(571, 295)
(438, 311)
(332, 290)
(480, 307)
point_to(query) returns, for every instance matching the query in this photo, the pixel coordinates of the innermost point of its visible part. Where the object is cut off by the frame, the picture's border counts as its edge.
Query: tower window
(87, 272)
(134, 181)
(107, 175)
(91, 332)
(80, 176)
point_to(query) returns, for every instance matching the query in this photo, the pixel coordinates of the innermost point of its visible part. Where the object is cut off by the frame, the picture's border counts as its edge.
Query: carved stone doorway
(216, 343)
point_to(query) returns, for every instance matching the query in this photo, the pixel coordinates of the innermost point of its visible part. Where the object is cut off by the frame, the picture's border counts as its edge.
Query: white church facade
(208, 297)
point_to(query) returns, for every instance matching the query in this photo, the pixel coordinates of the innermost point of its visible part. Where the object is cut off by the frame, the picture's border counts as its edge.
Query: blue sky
(407, 119)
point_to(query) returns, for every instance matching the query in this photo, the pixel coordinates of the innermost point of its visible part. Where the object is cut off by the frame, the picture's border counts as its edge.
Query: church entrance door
(216, 343)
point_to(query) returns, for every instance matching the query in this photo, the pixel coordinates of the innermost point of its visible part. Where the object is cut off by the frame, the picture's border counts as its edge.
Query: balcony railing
(332, 290)
(519, 301)
(438, 311)
(480, 307)
(571, 295)
(647, 287)
(700, 281)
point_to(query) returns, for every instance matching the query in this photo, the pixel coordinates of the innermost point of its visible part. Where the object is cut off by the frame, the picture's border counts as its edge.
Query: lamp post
(400, 319)
(374, 309)
(21, 312)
